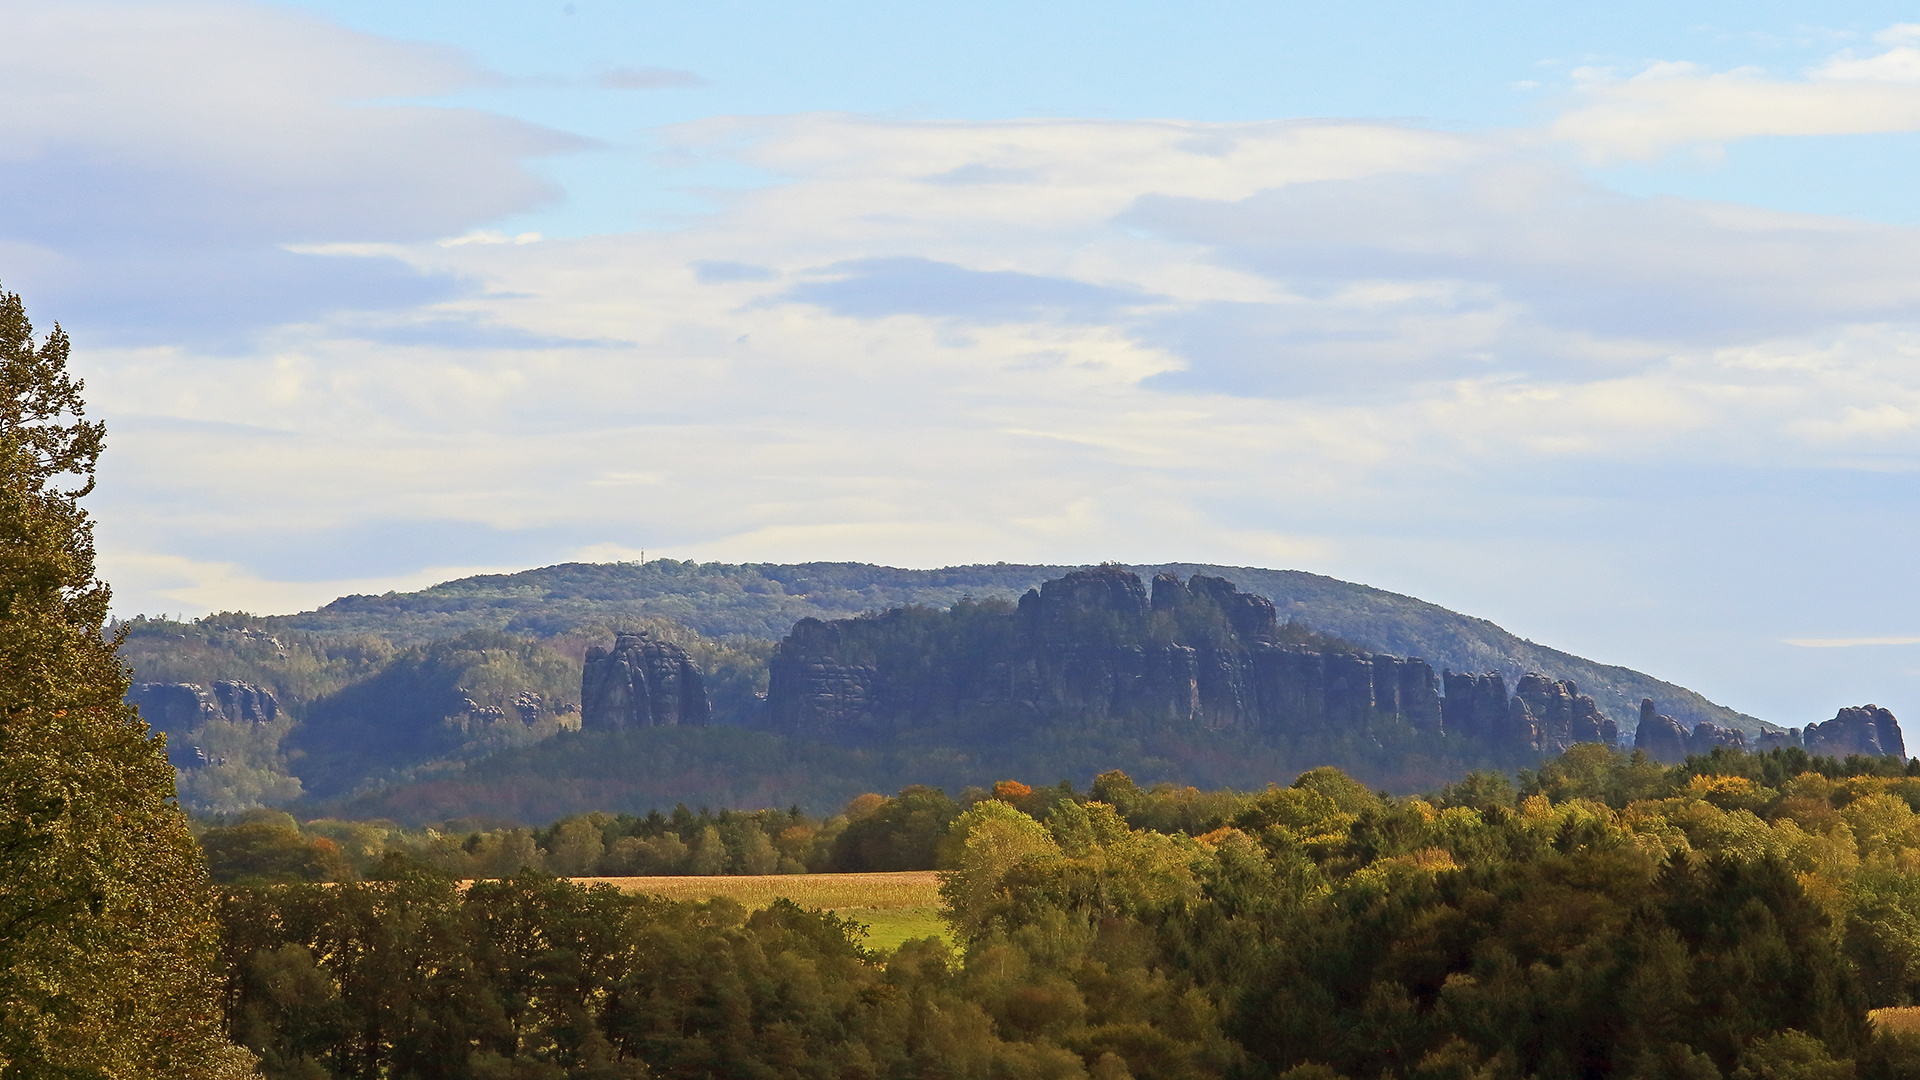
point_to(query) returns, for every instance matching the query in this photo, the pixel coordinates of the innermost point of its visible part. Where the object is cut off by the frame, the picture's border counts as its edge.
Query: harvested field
(895, 907)
(1904, 1020)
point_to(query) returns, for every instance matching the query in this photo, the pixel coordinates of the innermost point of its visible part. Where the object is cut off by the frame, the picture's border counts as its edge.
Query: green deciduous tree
(106, 931)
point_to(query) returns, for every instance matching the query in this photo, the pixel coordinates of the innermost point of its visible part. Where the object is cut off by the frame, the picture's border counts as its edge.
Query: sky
(1601, 322)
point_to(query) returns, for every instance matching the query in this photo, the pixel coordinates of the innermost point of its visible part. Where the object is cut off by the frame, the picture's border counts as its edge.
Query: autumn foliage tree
(106, 931)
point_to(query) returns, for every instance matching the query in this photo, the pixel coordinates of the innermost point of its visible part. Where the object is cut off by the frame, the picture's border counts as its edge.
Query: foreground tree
(106, 930)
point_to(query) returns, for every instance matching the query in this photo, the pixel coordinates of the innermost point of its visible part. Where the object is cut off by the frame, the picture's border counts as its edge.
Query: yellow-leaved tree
(107, 938)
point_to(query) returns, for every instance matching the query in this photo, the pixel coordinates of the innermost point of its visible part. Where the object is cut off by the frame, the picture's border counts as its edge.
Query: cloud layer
(1678, 104)
(170, 151)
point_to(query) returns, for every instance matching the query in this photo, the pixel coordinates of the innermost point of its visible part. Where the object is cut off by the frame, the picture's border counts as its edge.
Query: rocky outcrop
(1706, 736)
(176, 709)
(1252, 617)
(1667, 741)
(172, 707)
(1561, 715)
(1661, 737)
(1195, 654)
(1865, 729)
(641, 682)
(245, 702)
(1476, 706)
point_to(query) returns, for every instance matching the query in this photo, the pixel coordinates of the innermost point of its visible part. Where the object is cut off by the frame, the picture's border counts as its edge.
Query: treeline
(873, 833)
(755, 600)
(1734, 917)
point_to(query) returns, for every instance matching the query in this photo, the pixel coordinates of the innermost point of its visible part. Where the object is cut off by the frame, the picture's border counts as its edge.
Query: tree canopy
(106, 932)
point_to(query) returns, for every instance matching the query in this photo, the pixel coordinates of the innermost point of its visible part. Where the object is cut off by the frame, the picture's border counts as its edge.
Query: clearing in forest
(1899, 1020)
(895, 907)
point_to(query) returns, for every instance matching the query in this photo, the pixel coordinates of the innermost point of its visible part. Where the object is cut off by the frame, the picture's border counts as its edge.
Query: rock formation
(1561, 715)
(1096, 644)
(1706, 736)
(1476, 706)
(172, 707)
(641, 682)
(1662, 737)
(178, 708)
(245, 701)
(1665, 740)
(1865, 729)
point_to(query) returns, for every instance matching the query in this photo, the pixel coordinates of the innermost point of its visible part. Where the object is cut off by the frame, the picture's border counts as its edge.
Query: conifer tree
(106, 929)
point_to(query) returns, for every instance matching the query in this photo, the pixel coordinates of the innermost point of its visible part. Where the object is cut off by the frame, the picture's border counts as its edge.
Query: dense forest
(1734, 916)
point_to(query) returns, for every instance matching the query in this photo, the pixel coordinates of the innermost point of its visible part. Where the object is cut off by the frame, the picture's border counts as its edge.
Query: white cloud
(169, 151)
(292, 121)
(1680, 104)
(479, 236)
(1899, 65)
(1640, 119)
(158, 583)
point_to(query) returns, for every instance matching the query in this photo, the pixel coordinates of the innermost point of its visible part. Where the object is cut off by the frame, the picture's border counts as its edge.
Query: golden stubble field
(1900, 1020)
(895, 907)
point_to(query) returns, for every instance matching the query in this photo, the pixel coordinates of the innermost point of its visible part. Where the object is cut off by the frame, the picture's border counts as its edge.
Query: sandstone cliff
(178, 708)
(1194, 655)
(1662, 737)
(1866, 730)
(641, 682)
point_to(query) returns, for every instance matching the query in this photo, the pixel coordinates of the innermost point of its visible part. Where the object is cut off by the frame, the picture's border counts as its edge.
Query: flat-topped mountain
(471, 689)
(764, 601)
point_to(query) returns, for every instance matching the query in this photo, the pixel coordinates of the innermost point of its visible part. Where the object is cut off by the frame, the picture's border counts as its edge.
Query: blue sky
(1600, 323)
(1461, 67)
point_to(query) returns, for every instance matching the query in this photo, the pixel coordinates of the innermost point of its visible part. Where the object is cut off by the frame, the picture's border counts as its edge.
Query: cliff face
(1867, 730)
(1864, 729)
(178, 708)
(1195, 654)
(641, 682)
(1542, 713)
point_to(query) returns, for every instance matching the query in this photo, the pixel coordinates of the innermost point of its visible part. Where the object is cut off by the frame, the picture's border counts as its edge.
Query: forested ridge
(1735, 916)
(404, 693)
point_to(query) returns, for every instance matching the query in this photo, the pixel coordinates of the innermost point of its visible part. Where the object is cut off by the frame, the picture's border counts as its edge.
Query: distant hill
(764, 600)
(757, 600)
(469, 687)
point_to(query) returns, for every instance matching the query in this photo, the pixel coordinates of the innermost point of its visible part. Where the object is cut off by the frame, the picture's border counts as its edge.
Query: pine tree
(107, 939)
